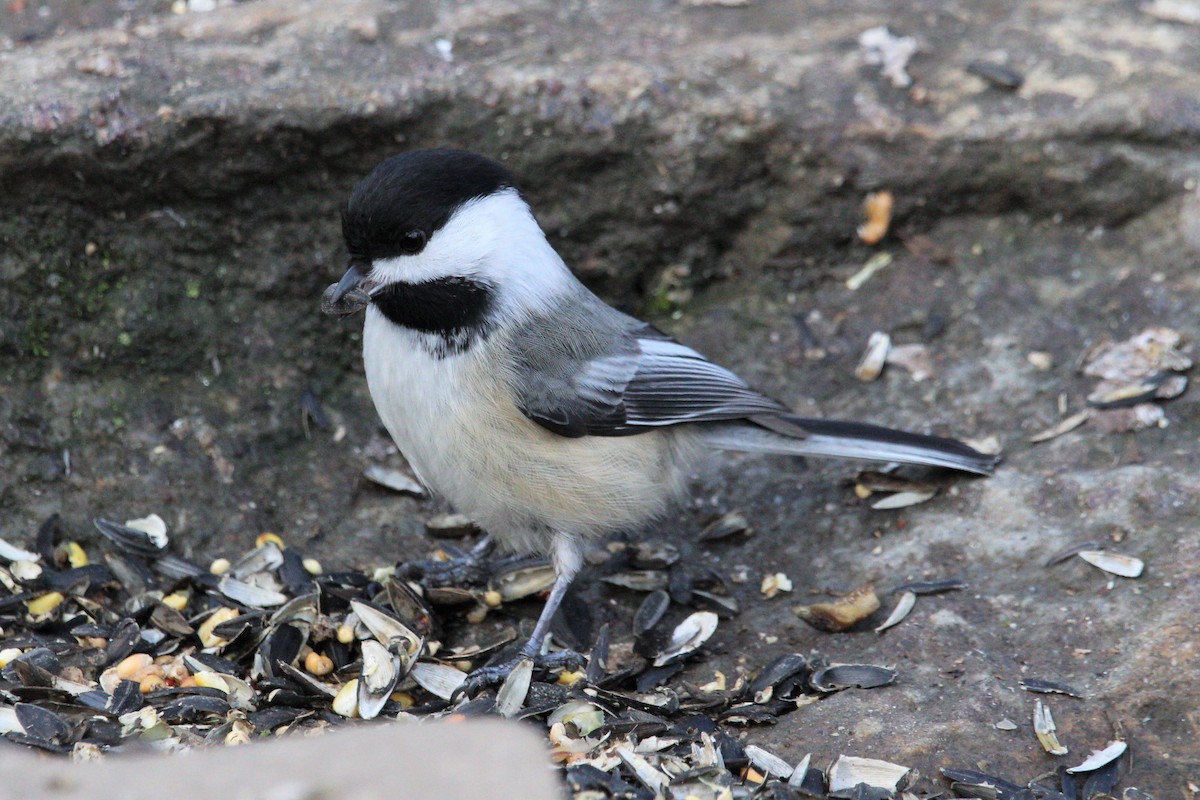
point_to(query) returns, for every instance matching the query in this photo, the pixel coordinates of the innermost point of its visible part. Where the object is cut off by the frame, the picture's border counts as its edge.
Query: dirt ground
(170, 218)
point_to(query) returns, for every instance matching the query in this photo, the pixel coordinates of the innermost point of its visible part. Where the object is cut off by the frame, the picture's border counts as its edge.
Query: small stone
(1040, 360)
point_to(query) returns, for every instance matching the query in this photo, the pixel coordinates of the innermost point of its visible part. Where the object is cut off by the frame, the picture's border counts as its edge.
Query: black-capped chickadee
(535, 408)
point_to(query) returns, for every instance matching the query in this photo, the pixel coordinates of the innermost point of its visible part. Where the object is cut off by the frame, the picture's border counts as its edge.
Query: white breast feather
(455, 421)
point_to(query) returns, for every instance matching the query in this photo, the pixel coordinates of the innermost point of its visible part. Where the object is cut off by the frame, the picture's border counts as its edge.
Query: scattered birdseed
(871, 365)
(1048, 687)
(877, 208)
(843, 613)
(1114, 563)
(999, 75)
(203, 667)
(1044, 728)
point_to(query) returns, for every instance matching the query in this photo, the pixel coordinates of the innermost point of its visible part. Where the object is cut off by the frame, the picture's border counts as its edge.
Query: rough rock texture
(169, 218)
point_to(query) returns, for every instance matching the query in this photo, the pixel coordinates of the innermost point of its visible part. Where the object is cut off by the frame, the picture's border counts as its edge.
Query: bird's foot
(470, 568)
(495, 674)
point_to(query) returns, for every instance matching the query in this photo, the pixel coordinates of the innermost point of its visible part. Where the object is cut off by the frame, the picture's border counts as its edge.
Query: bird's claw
(495, 674)
(468, 569)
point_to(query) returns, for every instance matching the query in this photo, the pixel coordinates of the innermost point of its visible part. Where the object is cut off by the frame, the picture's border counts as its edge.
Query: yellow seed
(176, 600)
(463, 665)
(207, 637)
(152, 683)
(269, 538)
(25, 571)
(345, 633)
(477, 614)
(567, 677)
(239, 733)
(492, 598)
(75, 555)
(403, 699)
(45, 604)
(312, 566)
(317, 664)
(211, 680)
(189, 682)
(220, 566)
(93, 641)
(132, 665)
(345, 702)
(8, 655)
(176, 669)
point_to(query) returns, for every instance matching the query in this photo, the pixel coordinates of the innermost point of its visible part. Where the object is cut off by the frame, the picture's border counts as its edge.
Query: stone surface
(169, 219)
(483, 758)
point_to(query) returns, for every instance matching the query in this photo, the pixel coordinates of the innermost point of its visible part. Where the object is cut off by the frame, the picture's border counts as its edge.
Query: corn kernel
(207, 637)
(152, 683)
(317, 664)
(568, 677)
(176, 600)
(269, 538)
(75, 555)
(133, 665)
(345, 702)
(45, 604)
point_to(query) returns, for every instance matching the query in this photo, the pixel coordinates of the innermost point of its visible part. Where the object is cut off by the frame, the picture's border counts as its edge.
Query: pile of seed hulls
(134, 647)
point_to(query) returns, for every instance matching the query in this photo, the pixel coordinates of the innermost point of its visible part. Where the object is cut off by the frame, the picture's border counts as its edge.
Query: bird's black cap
(407, 198)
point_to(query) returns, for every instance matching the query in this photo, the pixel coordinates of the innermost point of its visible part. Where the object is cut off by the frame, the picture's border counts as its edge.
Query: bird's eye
(413, 241)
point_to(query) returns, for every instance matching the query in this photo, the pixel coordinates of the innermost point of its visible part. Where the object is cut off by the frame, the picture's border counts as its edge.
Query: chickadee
(535, 408)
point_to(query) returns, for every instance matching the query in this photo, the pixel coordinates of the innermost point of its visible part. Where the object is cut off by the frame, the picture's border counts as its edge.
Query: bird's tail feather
(804, 436)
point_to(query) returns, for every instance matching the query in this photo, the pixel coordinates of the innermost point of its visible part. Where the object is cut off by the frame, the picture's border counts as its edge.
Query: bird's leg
(567, 561)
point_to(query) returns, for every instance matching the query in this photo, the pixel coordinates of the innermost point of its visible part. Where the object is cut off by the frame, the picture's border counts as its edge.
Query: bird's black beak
(349, 281)
(347, 296)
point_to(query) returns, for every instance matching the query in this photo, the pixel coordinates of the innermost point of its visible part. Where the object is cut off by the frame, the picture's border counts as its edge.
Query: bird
(544, 414)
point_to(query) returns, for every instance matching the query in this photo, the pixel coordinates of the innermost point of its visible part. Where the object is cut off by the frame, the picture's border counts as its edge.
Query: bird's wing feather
(637, 380)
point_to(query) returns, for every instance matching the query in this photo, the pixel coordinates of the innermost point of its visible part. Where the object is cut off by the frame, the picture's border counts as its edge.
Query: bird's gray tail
(805, 436)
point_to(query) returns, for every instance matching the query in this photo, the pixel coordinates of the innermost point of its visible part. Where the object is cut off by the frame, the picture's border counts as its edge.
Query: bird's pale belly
(455, 421)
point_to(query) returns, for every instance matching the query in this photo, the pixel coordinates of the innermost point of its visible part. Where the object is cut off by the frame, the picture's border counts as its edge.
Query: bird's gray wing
(617, 376)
